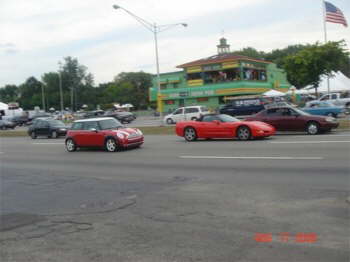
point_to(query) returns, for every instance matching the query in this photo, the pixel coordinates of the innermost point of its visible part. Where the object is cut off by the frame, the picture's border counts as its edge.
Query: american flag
(334, 15)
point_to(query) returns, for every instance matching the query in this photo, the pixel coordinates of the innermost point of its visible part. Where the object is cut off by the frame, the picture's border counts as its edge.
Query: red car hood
(259, 124)
(127, 131)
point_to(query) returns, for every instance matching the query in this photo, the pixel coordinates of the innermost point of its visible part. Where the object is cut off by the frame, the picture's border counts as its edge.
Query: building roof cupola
(223, 47)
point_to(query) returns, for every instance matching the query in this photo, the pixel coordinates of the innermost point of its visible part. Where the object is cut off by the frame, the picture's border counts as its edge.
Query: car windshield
(227, 118)
(110, 124)
(57, 123)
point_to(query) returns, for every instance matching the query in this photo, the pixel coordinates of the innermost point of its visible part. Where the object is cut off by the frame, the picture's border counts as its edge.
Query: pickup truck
(338, 99)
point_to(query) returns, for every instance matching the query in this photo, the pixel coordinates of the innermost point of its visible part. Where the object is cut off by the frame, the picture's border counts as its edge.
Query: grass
(344, 124)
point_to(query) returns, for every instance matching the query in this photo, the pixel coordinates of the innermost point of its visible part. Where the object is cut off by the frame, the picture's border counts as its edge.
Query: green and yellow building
(215, 80)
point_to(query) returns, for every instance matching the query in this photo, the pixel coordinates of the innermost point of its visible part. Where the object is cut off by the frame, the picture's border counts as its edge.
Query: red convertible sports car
(222, 126)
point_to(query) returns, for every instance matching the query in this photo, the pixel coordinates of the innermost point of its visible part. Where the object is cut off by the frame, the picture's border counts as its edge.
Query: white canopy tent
(337, 83)
(273, 93)
(3, 106)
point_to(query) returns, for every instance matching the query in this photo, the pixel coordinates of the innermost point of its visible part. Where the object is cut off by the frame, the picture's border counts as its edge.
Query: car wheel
(111, 145)
(33, 135)
(70, 145)
(169, 121)
(347, 105)
(312, 128)
(243, 133)
(190, 134)
(54, 134)
(194, 118)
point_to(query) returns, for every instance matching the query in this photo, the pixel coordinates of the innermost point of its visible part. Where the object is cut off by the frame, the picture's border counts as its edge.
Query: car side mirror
(216, 122)
(93, 130)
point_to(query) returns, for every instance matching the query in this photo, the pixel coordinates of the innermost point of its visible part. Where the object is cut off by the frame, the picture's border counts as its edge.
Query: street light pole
(60, 83)
(43, 97)
(155, 29)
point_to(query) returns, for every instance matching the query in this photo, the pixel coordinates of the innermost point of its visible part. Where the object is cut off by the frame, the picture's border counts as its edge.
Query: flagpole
(325, 35)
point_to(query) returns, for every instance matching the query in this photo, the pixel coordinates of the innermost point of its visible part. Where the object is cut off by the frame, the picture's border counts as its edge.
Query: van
(244, 106)
(185, 114)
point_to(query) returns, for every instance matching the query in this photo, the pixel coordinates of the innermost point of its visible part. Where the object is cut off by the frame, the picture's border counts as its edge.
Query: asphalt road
(177, 201)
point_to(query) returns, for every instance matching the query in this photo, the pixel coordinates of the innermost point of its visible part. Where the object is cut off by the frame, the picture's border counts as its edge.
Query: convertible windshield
(110, 124)
(227, 118)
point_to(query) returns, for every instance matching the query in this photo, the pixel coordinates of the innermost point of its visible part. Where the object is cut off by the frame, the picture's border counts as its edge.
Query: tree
(250, 52)
(133, 88)
(308, 65)
(30, 94)
(78, 83)
(9, 93)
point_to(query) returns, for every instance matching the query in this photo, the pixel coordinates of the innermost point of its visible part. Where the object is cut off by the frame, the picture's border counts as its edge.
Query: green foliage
(308, 65)
(9, 93)
(30, 94)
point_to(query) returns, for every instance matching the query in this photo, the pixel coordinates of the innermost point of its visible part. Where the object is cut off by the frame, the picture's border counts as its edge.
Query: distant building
(214, 80)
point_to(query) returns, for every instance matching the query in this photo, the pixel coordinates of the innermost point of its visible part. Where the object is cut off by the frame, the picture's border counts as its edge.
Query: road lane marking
(253, 157)
(306, 142)
(47, 143)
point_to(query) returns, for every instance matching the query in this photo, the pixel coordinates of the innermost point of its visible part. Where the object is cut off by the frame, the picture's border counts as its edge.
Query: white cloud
(108, 41)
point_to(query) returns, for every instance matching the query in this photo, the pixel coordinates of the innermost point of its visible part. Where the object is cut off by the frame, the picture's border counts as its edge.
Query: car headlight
(139, 132)
(119, 135)
(330, 119)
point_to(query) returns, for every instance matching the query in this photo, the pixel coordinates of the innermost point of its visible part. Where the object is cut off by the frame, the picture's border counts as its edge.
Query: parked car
(186, 113)
(324, 108)
(338, 99)
(40, 115)
(222, 126)
(93, 114)
(244, 106)
(20, 120)
(121, 116)
(48, 127)
(287, 118)
(104, 132)
(4, 124)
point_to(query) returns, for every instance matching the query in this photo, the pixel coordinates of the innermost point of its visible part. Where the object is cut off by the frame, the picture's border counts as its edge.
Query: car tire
(312, 128)
(33, 135)
(194, 118)
(347, 105)
(244, 133)
(111, 145)
(169, 121)
(190, 134)
(70, 145)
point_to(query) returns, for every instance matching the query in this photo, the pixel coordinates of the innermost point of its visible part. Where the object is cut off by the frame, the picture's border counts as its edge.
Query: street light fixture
(155, 29)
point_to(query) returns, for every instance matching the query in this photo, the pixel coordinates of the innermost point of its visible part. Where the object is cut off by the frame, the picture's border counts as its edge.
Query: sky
(36, 34)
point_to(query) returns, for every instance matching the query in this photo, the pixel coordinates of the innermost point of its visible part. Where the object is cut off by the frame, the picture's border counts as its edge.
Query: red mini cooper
(106, 132)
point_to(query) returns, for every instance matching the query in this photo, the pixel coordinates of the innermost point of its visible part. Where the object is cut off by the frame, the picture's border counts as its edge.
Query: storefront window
(254, 74)
(227, 75)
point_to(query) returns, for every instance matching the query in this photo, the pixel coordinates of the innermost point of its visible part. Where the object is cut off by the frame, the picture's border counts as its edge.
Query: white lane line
(306, 142)
(47, 143)
(253, 157)
(309, 135)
